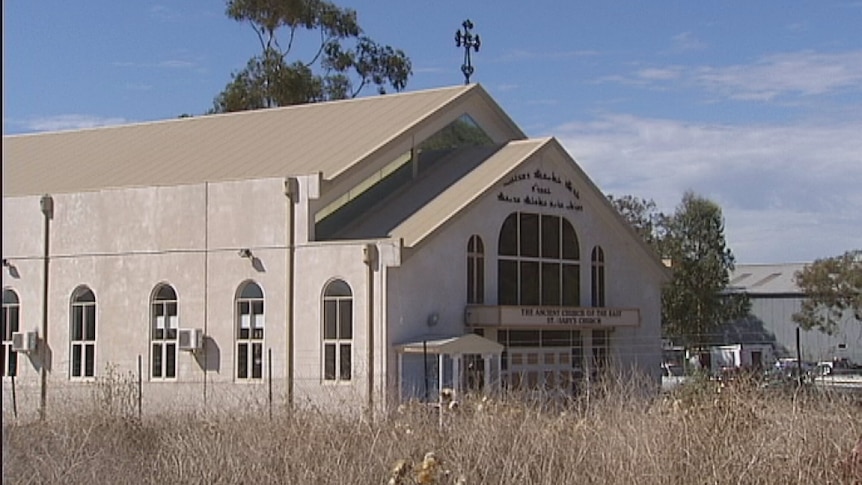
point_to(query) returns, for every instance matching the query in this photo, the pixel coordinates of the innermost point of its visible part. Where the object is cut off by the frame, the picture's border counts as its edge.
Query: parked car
(789, 368)
(837, 367)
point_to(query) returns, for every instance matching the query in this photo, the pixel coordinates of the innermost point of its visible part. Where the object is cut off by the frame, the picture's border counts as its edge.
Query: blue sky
(755, 105)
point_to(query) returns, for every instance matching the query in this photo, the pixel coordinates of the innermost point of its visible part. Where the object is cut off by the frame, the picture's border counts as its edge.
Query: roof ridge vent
(766, 280)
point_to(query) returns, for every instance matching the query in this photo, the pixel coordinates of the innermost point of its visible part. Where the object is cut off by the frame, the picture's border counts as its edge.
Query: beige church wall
(246, 215)
(120, 221)
(22, 229)
(433, 277)
(249, 213)
(122, 244)
(23, 238)
(317, 264)
(22, 248)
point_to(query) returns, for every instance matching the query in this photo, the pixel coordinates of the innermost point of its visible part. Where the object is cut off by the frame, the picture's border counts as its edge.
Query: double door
(536, 368)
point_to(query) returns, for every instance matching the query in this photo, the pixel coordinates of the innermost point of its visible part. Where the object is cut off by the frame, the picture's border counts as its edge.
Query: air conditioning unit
(190, 338)
(24, 341)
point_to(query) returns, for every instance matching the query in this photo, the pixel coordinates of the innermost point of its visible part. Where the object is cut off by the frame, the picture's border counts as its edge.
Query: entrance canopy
(465, 344)
(468, 362)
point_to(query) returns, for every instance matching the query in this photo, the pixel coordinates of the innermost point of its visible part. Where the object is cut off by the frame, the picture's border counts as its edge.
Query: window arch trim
(337, 329)
(83, 319)
(475, 270)
(249, 330)
(163, 332)
(14, 300)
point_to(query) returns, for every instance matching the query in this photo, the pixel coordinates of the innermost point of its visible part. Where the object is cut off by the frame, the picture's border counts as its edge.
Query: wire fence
(523, 364)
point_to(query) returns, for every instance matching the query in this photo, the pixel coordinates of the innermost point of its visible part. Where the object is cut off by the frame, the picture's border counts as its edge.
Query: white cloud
(69, 122)
(686, 41)
(506, 87)
(165, 64)
(516, 55)
(176, 64)
(797, 27)
(788, 192)
(139, 86)
(660, 74)
(806, 73)
(428, 70)
(803, 73)
(164, 14)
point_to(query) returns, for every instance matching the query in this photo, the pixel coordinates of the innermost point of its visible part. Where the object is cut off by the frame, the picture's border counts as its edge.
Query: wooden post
(269, 380)
(14, 399)
(400, 376)
(440, 388)
(798, 358)
(140, 387)
(425, 366)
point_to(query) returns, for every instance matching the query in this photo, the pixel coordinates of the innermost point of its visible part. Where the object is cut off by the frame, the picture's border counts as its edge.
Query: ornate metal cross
(468, 40)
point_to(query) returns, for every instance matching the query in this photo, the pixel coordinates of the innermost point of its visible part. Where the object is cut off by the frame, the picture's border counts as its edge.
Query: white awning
(465, 344)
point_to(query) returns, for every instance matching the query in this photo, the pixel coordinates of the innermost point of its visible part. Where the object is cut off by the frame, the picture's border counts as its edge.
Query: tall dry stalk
(621, 434)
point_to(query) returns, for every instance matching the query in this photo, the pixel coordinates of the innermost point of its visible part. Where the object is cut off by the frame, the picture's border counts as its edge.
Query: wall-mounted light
(433, 319)
(13, 271)
(245, 253)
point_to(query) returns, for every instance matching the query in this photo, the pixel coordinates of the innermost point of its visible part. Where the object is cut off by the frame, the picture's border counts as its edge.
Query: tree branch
(359, 89)
(323, 42)
(259, 36)
(289, 42)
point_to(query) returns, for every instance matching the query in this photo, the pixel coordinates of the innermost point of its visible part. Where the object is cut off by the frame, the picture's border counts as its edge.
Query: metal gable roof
(434, 214)
(765, 279)
(470, 187)
(323, 137)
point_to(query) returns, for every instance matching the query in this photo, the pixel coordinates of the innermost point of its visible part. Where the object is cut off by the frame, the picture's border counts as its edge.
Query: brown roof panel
(324, 137)
(469, 188)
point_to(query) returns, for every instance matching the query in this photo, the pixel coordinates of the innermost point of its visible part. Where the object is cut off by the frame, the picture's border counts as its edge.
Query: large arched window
(83, 333)
(598, 276)
(249, 332)
(10, 325)
(163, 333)
(337, 331)
(475, 270)
(538, 261)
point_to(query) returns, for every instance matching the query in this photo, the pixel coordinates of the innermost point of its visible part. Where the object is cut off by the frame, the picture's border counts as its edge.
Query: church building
(346, 254)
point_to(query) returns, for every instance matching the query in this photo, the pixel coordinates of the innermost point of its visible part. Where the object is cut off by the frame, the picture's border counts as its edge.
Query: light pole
(468, 40)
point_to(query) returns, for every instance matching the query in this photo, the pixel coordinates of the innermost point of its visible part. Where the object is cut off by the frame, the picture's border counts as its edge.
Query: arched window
(163, 333)
(249, 332)
(337, 331)
(538, 261)
(598, 277)
(83, 333)
(10, 326)
(475, 270)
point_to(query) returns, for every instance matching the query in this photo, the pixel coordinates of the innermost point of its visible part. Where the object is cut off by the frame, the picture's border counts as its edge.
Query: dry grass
(698, 435)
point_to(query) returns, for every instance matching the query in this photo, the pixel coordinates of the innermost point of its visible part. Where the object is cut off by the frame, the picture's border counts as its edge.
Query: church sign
(535, 189)
(551, 316)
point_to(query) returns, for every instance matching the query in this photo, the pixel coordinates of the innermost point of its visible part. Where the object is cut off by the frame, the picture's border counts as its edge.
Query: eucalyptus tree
(833, 289)
(697, 300)
(342, 60)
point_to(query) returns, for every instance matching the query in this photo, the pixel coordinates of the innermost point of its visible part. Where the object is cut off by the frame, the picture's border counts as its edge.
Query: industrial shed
(774, 298)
